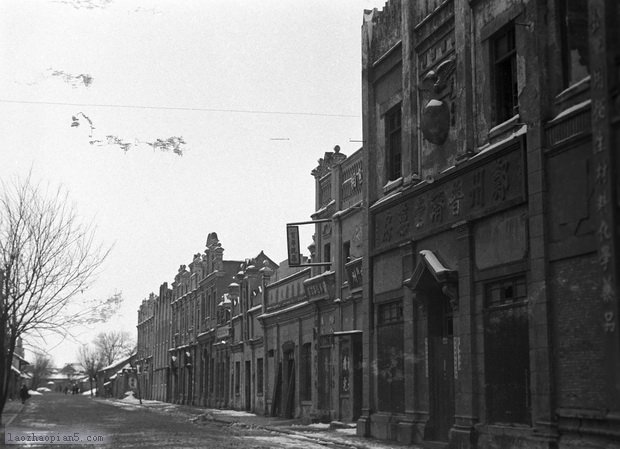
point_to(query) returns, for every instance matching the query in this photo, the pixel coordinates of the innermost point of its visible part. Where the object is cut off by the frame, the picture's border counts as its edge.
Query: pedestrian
(23, 393)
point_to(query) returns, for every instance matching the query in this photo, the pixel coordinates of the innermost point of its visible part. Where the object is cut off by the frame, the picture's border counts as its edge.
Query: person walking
(23, 393)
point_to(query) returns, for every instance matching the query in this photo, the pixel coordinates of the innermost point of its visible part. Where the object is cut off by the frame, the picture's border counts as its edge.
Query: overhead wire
(178, 108)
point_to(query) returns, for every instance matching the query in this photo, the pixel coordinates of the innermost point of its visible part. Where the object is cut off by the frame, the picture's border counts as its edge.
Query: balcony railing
(320, 287)
(354, 273)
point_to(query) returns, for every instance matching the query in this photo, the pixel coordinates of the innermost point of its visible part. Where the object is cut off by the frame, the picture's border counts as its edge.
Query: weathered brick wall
(578, 332)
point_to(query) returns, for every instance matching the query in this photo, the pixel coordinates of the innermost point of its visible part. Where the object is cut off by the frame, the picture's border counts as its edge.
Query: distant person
(23, 393)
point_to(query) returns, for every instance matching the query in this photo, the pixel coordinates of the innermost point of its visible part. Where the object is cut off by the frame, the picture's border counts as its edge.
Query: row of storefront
(461, 289)
(254, 335)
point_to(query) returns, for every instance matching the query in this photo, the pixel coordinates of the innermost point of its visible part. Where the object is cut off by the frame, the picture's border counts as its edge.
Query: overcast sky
(161, 69)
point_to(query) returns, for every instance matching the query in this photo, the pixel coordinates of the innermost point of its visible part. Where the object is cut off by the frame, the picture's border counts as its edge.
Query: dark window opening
(259, 376)
(393, 143)
(237, 376)
(327, 254)
(505, 74)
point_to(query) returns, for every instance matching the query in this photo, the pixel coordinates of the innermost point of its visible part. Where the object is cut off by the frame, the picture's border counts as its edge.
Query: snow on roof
(432, 260)
(119, 363)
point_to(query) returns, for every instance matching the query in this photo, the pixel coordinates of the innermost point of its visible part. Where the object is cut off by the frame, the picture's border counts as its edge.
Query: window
(574, 29)
(505, 74)
(306, 372)
(211, 374)
(390, 313)
(259, 376)
(507, 360)
(327, 254)
(393, 143)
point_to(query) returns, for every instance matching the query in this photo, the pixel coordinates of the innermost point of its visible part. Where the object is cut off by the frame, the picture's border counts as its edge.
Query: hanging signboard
(292, 243)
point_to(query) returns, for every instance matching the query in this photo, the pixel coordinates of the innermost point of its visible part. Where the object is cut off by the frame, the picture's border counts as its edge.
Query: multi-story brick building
(336, 294)
(188, 334)
(199, 353)
(492, 182)
(146, 347)
(312, 320)
(161, 365)
(246, 338)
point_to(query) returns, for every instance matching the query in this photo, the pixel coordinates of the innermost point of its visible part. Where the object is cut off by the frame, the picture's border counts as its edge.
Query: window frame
(565, 39)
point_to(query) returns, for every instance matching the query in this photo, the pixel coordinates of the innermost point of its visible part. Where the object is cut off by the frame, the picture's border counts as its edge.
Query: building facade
(247, 353)
(336, 293)
(199, 354)
(146, 347)
(491, 180)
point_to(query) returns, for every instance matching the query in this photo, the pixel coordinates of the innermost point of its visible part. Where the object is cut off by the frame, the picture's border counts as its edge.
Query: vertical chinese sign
(292, 244)
(604, 184)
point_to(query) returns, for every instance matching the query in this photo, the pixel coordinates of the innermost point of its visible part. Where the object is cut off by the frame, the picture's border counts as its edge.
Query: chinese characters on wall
(492, 186)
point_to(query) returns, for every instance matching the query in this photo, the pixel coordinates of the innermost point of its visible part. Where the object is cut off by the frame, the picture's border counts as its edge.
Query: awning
(430, 270)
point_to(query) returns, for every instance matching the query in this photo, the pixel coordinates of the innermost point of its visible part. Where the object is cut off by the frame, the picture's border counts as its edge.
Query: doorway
(441, 367)
(289, 384)
(248, 385)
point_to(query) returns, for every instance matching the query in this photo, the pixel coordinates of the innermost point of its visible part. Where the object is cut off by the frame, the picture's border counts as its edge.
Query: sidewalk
(335, 433)
(11, 410)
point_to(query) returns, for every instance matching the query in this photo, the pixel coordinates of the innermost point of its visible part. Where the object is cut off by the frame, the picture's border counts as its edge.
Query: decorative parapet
(321, 287)
(286, 291)
(222, 332)
(384, 29)
(352, 178)
(326, 163)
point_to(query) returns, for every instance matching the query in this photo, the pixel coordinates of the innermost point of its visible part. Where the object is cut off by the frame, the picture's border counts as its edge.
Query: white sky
(157, 208)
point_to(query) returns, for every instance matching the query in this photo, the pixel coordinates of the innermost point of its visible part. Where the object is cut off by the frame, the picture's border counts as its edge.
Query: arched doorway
(435, 286)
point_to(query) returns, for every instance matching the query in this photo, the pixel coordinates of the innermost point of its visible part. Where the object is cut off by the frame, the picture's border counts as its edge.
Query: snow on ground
(88, 392)
(297, 441)
(34, 393)
(318, 425)
(130, 398)
(228, 412)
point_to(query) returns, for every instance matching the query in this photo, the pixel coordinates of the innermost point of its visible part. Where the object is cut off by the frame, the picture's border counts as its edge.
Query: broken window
(504, 54)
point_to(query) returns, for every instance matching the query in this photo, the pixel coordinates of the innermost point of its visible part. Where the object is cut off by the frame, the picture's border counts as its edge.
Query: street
(68, 418)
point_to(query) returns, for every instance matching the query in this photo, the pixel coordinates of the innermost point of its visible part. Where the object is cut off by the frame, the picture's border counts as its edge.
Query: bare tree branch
(112, 346)
(47, 259)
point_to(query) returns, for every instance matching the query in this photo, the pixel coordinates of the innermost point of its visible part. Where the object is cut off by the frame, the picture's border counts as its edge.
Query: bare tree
(114, 345)
(91, 361)
(39, 369)
(47, 260)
